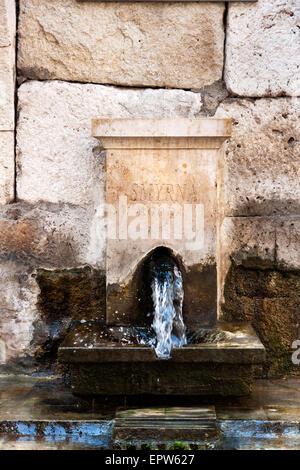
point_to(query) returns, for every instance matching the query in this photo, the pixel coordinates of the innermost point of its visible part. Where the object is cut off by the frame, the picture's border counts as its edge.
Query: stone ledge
(162, 133)
(152, 425)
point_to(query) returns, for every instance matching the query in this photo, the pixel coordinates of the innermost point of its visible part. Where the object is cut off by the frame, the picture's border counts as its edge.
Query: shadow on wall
(66, 297)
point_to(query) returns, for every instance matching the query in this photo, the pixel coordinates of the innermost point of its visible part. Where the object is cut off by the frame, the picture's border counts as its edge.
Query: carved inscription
(163, 193)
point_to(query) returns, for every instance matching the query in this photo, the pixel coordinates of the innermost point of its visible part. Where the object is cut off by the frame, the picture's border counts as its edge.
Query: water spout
(167, 296)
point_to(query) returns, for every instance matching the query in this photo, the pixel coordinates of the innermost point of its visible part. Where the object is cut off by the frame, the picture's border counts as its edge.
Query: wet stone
(164, 425)
(43, 414)
(220, 361)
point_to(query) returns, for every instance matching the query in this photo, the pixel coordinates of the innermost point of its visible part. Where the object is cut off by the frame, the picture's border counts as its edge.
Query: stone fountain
(162, 334)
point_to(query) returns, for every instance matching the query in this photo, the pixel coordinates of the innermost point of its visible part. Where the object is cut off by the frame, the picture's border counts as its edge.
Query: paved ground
(41, 413)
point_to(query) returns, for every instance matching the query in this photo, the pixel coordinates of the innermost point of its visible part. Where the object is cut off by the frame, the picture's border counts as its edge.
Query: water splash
(167, 295)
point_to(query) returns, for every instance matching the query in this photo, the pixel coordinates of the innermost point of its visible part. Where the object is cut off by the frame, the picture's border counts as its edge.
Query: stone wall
(7, 99)
(80, 60)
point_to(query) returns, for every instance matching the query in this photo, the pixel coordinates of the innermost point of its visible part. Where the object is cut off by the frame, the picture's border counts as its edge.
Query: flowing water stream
(167, 296)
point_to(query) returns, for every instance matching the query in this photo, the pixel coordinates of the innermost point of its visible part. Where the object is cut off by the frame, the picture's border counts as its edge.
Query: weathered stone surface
(7, 96)
(178, 45)
(288, 242)
(259, 243)
(263, 48)
(7, 22)
(19, 292)
(270, 300)
(249, 241)
(7, 88)
(78, 294)
(38, 305)
(66, 296)
(2, 352)
(71, 168)
(246, 241)
(212, 96)
(152, 425)
(262, 158)
(260, 282)
(7, 64)
(7, 167)
(50, 236)
(142, 378)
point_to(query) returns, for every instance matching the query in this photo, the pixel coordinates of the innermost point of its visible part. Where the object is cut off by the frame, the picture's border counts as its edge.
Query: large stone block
(7, 64)
(7, 88)
(51, 236)
(7, 167)
(19, 293)
(270, 300)
(288, 242)
(260, 243)
(7, 97)
(249, 241)
(37, 308)
(246, 241)
(37, 305)
(263, 48)
(262, 158)
(7, 22)
(70, 169)
(260, 282)
(66, 296)
(178, 45)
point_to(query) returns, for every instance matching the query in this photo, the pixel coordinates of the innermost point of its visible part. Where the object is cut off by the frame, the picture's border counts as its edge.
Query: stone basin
(106, 360)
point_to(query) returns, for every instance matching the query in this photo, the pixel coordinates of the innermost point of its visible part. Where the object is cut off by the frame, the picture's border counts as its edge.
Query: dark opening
(158, 261)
